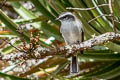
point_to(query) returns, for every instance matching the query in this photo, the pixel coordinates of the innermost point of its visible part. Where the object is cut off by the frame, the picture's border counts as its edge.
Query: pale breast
(70, 32)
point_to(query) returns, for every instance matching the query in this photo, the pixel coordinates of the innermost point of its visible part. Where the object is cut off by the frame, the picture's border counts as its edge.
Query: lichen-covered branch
(65, 51)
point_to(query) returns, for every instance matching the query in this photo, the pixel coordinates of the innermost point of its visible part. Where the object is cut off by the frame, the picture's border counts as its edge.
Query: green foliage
(100, 63)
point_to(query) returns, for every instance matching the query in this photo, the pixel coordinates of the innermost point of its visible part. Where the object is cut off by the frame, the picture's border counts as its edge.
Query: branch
(65, 51)
(87, 8)
(112, 15)
(99, 17)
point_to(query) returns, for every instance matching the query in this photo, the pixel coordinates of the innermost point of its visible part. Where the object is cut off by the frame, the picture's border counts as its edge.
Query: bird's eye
(66, 17)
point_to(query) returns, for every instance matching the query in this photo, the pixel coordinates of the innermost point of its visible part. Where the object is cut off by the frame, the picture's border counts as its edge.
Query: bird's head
(66, 16)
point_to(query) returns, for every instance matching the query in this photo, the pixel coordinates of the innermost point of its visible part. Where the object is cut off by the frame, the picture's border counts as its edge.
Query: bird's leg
(81, 51)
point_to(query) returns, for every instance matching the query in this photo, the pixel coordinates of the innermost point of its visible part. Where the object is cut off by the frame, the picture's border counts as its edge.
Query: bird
(72, 31)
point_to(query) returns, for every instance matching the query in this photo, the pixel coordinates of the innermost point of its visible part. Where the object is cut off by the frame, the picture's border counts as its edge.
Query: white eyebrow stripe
(64, 14)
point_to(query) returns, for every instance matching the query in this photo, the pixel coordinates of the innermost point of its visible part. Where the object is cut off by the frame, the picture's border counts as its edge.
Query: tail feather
(81, 51)
(74, 67)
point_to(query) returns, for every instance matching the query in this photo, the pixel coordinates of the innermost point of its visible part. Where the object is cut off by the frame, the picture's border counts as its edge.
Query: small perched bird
(72, 32)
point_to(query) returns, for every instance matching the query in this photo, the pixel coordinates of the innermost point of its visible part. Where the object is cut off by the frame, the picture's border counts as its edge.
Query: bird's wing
(80, 28)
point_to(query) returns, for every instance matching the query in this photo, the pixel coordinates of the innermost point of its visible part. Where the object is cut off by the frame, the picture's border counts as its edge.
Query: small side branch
(112, 15)
(65, 51)
(99, 17)
(87, 8)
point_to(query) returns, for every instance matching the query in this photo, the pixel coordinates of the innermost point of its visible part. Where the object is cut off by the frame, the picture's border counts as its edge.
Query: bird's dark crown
(66, 16)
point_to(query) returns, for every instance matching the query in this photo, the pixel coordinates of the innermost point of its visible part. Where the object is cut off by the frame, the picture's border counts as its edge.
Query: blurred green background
(101, 62)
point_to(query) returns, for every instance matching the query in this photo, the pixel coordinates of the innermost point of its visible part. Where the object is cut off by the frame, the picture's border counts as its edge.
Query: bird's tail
(74, 67)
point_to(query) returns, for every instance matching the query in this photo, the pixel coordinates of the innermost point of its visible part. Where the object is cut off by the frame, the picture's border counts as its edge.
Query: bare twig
(87, 8)
(39, 52)
(112, 15)
(99, 17)
(12, 45)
